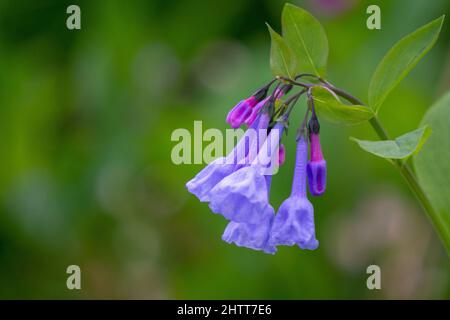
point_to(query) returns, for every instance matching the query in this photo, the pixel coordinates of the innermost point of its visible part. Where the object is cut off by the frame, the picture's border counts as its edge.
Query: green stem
(406, 172)
(436, 221)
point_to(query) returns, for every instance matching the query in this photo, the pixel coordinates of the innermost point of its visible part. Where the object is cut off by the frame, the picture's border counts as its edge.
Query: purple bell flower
(242, 196)
(213, 173)
(206, 179)
(254, 236)
(317, 166)
(294, 222)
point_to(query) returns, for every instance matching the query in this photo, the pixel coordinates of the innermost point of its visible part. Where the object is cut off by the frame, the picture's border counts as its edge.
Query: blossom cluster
(238, 186)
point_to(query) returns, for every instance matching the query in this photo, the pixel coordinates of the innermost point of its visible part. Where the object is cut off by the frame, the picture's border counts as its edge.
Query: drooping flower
(294, 222)
(214, 172)
(206, 179)
(242, 195)
(253, 235)
(317, 166)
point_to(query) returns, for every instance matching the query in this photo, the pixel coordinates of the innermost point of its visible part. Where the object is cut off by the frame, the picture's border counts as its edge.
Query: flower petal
(241, 196)
(253, 236)
(208, 178)
(294, 224)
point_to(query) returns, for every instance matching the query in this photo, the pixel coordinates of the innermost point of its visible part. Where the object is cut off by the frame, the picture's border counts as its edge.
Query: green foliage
(282, 59)
(85, 175)
(433, 165)
(307, 38)
(401, 148)
(400, 59)
(332, 109)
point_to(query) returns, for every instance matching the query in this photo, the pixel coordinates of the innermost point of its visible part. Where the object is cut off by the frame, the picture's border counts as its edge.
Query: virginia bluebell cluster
(238, 186)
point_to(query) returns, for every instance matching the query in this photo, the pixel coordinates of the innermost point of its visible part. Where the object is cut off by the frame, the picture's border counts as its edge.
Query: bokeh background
(86, 176)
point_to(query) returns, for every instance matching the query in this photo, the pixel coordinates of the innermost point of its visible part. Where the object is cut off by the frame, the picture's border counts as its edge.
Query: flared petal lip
(294, 224)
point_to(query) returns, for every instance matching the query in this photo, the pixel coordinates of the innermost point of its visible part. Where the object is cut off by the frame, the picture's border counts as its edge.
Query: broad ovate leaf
(432, 165)
(282, 59)
(329, 107)
(307, 38)
(400, 59)
(400, 148)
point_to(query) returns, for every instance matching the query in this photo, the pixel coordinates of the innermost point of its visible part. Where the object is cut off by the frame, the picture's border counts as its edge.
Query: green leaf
(332, 109)
(432, 165)
(400, 148)
(307, 38)
(282, 59)
(400, 59)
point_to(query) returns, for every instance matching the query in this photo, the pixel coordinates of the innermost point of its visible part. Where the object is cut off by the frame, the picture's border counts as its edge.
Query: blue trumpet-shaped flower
(252, 235)
(213, 173)
(294, 222)
(242, 196)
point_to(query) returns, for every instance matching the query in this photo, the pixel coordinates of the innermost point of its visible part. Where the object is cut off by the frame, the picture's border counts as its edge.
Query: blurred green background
(86, 176)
